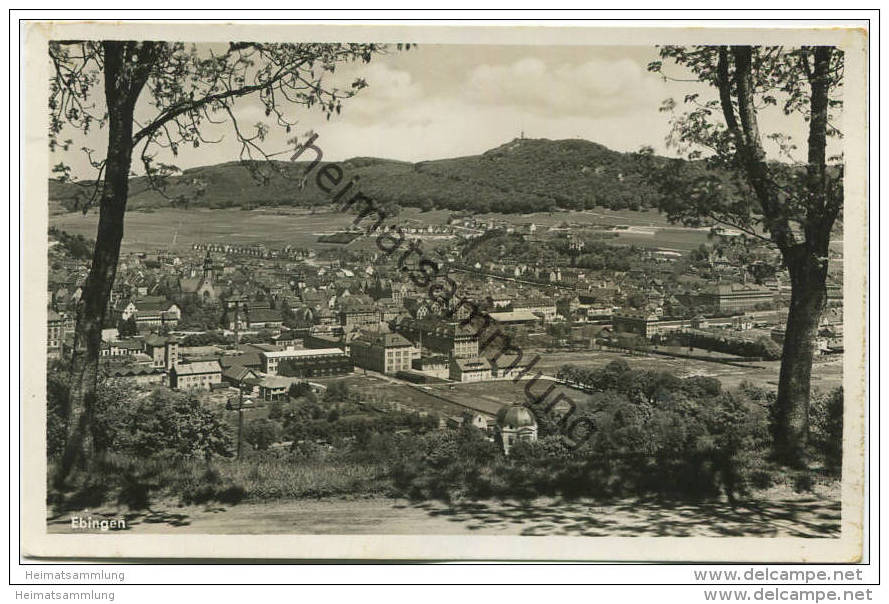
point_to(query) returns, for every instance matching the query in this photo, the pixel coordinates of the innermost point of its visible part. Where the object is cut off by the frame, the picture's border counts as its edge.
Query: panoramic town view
(561, 325)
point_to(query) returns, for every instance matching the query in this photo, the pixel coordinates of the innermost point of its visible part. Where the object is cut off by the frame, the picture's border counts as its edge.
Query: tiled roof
(302, 352)
(516, 315)
(264, 315)
(473, 364)
(198, 368)
(237, 372)
(135, 371)
(248, 359)
(387, 340)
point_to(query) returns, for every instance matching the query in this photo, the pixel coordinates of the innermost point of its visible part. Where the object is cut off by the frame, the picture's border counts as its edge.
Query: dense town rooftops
(434, 327)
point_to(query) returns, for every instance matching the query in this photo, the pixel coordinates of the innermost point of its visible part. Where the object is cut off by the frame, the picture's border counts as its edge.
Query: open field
(671, 239)
(409, 397)
(826, 375)
(147, 231)
(488, 397)
(278, 227)
(599, 216)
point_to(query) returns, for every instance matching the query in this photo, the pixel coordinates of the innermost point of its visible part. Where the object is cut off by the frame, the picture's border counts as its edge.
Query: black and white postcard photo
(444, 293)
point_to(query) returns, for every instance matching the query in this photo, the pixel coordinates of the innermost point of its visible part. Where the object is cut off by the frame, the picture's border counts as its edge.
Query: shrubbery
(137, 437)
(676, 444)
(653, 434)
(762, 347)
(314, 423)
(262, 433)
(826, 428)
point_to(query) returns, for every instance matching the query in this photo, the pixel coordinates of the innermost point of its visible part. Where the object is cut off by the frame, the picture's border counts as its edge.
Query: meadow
(178, 229)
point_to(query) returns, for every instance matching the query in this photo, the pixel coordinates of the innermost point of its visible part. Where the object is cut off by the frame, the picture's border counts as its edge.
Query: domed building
(515, 423)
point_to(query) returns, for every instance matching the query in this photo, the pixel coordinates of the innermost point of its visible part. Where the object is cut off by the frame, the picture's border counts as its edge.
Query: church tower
(208, 268)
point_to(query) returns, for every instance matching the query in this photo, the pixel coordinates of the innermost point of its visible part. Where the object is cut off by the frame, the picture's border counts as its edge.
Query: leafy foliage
(261, 433)
(173, 423)
(826, 428)
(794, 207)
(77, 246)
(299, 389)
(128, 327)
(190, 86)
(161, 423)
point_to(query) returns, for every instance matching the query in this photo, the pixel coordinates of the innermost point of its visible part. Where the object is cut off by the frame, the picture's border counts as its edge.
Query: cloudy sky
(438, 101)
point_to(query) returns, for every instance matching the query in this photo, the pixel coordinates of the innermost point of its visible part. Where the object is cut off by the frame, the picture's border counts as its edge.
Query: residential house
(510, 366)
(238, 375)
(271, 388)
(200, 375)
(264, 318)
(150, 312)
(475, 369)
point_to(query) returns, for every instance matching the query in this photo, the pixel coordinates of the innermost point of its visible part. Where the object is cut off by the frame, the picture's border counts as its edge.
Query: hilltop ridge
(522, 175)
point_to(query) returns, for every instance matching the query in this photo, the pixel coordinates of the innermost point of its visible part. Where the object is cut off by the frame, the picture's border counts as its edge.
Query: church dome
(515, 416)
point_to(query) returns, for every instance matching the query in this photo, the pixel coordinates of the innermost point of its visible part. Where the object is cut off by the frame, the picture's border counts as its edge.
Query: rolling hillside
(523, 175)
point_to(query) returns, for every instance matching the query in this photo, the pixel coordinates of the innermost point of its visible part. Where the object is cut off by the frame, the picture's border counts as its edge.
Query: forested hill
(523, 175)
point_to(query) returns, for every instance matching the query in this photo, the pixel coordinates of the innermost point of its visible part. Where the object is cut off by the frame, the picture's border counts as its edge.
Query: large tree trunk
(120, 97)
(806, 261)
(807, 300)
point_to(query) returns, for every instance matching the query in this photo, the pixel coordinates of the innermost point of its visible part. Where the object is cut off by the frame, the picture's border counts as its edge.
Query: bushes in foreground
(651, 434)
(677, 446)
